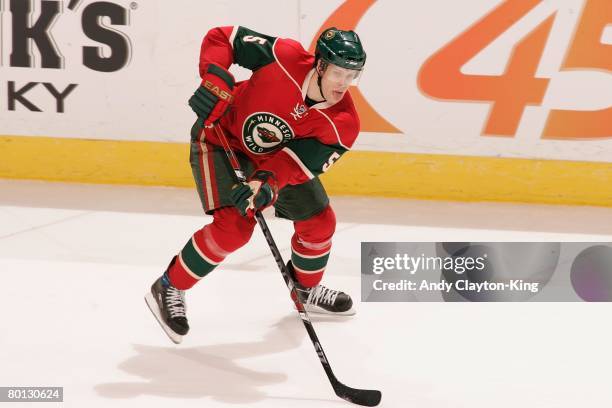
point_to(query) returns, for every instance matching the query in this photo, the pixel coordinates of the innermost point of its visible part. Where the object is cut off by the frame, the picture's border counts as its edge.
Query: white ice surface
(76, 260)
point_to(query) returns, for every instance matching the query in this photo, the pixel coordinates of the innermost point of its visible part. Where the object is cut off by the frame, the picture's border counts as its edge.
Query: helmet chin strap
(320, 89)
(319, 82)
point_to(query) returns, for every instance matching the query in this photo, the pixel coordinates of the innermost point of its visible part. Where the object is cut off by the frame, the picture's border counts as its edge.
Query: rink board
(505, 100)
(407, 175)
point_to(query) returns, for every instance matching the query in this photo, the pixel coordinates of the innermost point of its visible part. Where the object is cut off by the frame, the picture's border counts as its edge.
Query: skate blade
(316, 310)
(152, 303)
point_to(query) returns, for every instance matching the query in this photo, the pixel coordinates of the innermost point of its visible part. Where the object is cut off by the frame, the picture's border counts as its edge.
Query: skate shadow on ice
(208, 371)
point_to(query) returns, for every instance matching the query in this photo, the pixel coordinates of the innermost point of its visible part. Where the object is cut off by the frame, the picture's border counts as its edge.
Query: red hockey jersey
(268, 119)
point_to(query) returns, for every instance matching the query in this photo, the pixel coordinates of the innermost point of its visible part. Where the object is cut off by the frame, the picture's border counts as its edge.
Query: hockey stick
(368, 398)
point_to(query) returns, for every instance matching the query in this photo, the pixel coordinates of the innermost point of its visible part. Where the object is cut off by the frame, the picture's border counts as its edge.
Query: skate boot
(320, 299)
(167, 304)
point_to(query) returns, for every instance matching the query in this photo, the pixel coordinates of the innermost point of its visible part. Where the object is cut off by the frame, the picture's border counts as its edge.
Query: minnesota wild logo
(262, 132)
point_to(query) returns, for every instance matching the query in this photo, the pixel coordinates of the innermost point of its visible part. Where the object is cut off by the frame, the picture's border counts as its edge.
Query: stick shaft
(362, 397)
(279, 259)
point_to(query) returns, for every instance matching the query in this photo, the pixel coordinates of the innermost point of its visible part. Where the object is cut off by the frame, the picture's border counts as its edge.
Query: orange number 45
(440, 76)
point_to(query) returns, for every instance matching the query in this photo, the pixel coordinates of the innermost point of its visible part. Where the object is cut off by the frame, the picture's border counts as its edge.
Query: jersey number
(252, 38)
(332, 159)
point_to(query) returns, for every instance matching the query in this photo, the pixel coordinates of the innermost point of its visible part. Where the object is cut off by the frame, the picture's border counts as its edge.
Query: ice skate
(321, 299)
(167, 304)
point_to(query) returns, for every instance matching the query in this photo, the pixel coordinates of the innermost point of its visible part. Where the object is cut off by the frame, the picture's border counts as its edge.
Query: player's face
(335, 81)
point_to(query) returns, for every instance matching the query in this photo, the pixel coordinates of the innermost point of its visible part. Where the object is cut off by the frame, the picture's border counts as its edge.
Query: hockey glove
(211, 100)
(259, 193)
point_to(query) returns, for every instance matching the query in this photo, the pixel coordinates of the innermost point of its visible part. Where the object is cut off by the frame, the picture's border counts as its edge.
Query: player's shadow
(208, 371)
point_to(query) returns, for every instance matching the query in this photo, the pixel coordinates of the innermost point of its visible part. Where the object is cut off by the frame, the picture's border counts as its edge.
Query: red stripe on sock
(308, 279)
(180, 278)
(309, 249)
(207, 245)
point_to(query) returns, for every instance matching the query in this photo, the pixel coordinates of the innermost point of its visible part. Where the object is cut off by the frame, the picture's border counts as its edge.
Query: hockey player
(289, 123)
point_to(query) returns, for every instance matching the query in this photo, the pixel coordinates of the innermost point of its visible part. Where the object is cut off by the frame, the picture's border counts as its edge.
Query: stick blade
(367, 398)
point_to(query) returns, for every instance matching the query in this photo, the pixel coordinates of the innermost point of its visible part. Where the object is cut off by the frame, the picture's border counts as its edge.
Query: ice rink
(76, 260)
